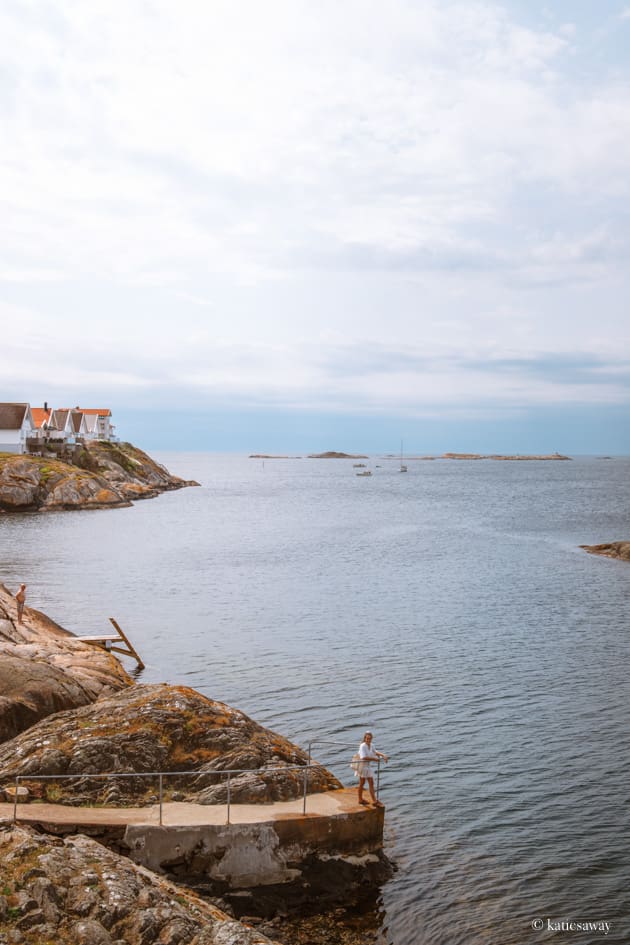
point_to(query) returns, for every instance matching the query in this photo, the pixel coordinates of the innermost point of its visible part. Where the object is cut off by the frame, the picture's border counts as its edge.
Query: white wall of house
(10, 441)
(99, 427)
(14, 441)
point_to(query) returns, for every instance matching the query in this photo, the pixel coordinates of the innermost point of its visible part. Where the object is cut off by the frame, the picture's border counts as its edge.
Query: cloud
(331, 375)
(355, 203)
(221, 136)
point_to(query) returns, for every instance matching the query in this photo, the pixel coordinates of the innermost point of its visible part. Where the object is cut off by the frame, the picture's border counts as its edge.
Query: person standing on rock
(368, 754)
(20, 598)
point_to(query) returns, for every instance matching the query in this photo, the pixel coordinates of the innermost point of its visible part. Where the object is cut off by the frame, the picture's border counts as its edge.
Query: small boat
(403, 468)
(358, 465)
(366, 473)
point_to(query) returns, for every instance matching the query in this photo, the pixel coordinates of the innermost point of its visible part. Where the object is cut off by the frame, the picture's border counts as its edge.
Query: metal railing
(160, 775)
(229, 772)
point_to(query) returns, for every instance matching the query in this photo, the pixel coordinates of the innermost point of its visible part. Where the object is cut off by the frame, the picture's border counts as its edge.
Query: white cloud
(253, 177)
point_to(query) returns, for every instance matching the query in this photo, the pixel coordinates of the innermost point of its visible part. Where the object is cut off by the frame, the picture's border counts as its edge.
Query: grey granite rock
(123, 903)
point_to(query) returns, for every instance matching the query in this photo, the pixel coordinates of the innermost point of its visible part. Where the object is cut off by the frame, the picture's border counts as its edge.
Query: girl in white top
(368, 754)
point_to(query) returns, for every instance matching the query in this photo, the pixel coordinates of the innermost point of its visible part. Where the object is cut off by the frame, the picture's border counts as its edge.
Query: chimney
(46, 406)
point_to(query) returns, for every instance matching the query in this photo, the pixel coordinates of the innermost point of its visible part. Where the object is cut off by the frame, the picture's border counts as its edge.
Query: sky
(333, 225)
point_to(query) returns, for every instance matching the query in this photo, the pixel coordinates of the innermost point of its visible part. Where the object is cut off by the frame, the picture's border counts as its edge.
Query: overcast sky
(327, 224)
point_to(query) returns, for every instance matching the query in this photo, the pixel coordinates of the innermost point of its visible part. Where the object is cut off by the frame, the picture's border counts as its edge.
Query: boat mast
(403, 468)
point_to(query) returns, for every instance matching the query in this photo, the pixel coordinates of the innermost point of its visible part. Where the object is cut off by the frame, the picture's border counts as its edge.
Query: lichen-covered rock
(131, 471)
(44, 669)
(76, 892)
(159, 728)
(19, 485)
(613, 549)
(30, 483)
(96, 475)
(81, 490)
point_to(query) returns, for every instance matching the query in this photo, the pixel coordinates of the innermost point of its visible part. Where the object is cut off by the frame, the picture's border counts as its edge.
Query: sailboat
(403, 468)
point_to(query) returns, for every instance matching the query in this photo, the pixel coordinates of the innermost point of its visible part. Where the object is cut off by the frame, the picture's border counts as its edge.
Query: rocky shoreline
(612, 549)
(69, 708)
(98, 475)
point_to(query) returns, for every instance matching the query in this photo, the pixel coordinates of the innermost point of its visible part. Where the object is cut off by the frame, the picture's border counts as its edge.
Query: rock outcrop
(613, 549)
(44, 669)
(159, 728)
(331, 454)
(98, 475)
(76, 892)
(500, 456)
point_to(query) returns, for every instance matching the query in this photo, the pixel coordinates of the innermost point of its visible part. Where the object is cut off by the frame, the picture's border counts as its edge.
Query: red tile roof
(40, 416)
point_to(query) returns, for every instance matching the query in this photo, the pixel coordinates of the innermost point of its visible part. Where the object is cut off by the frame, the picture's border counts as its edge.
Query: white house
(78, 424)
(16, 424)
(60, 426)
(41, 420)
(98, 422)
(41, 417)
(41, 425)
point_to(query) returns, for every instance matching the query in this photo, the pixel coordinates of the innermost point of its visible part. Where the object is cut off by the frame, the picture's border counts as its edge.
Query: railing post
(161, 794)
(378, 778)
(17, 784)
(228, 798)
(305, 779)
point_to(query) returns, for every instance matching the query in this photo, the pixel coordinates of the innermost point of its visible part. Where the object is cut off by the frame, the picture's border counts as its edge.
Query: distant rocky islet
(334, 454)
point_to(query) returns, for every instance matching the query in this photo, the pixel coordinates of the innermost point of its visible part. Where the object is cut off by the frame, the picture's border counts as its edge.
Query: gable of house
(41, 417)
(98, 422)
(15, 416)
(59, 420)
(16, 423)
(91, 422)
(77, 422)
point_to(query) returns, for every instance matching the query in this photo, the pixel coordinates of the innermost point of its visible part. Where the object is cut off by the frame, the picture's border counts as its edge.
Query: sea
(449, 609)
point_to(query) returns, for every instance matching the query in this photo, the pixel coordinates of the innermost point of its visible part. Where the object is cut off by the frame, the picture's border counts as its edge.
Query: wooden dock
(114, 643)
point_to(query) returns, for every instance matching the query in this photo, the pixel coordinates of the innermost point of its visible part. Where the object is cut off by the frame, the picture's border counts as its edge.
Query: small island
(498, 456)
(331, 454)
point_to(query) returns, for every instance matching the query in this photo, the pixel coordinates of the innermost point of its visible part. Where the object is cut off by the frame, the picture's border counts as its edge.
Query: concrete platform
(187, 814)
(263, 844)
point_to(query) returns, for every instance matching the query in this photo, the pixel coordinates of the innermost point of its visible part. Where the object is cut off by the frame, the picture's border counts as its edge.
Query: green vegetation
(46, 466)
(45, 472)
(86, 460)
(53, 793)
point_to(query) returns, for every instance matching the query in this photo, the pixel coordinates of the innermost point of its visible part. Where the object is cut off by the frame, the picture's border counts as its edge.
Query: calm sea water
(449, 609)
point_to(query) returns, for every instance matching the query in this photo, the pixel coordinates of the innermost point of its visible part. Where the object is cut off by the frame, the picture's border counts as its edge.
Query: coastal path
(186, 813)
